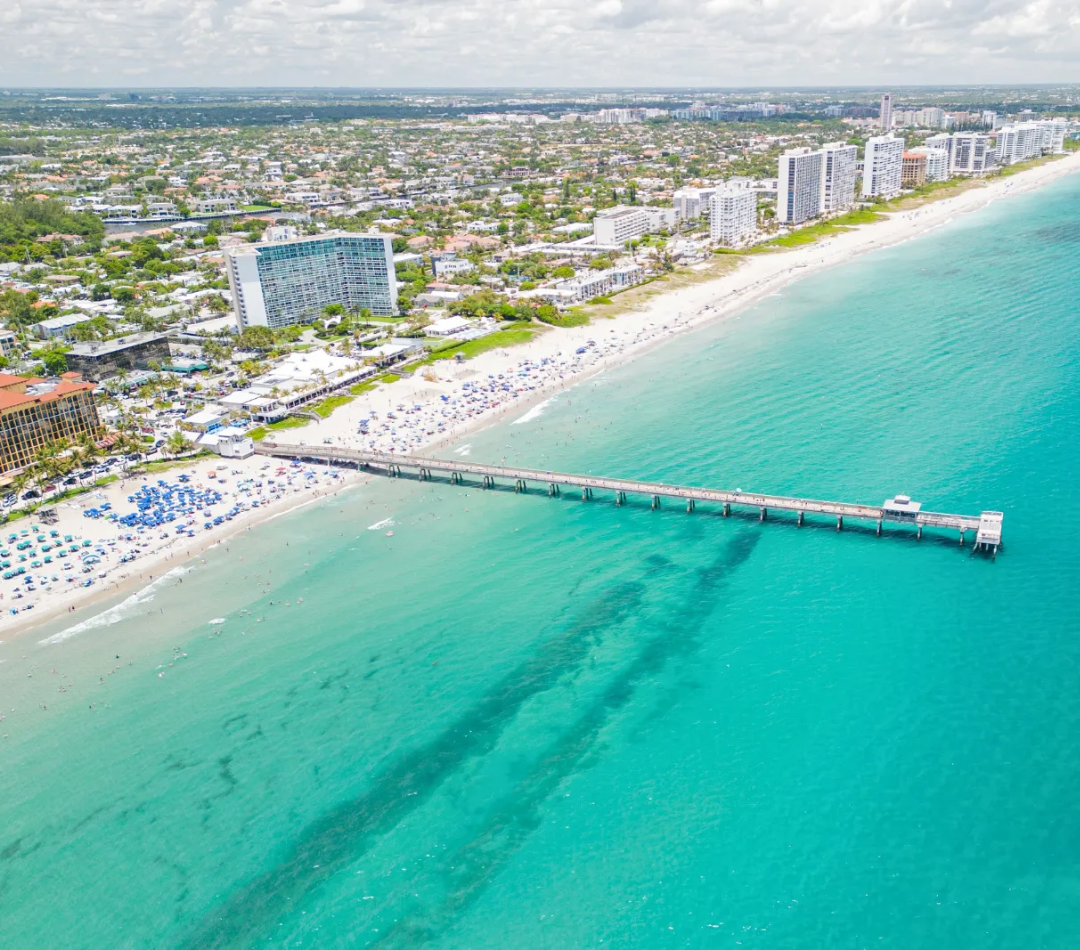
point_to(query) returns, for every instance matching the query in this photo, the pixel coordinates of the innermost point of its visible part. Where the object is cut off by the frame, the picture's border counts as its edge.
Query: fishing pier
(986, 527)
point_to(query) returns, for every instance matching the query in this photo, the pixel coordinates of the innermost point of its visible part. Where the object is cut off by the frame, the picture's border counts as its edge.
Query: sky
(598, 43)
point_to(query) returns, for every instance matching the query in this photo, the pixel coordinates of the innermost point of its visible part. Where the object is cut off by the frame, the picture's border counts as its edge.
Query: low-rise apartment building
(96, 360)
(619, 226)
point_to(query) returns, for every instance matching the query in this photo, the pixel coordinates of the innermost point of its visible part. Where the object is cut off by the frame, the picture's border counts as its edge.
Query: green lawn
(470, 348)
(1023, 166)
(572, 318)
(150, 468)
(328, 405)
(814, 232)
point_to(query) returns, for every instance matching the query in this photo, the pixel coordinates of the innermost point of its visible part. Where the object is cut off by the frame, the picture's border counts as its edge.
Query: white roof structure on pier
(901, 506)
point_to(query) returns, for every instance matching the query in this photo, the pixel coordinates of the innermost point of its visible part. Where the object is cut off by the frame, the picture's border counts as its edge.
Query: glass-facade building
(280, 283)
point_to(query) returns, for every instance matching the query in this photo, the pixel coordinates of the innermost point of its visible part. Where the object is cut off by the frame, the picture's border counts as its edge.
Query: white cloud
(537, 42)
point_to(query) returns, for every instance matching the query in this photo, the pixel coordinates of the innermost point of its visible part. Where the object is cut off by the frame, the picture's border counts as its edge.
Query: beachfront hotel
(35, 412)
(279, 283)
(798, 190)
(838, 176)
(883, 166)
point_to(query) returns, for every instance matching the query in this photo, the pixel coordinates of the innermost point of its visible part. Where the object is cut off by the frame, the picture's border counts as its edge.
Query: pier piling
(899, 510)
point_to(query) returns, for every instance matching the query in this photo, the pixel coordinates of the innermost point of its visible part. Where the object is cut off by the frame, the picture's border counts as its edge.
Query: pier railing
(986, 526)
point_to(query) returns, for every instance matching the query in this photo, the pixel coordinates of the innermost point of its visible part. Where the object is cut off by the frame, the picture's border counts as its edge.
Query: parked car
(29, 495)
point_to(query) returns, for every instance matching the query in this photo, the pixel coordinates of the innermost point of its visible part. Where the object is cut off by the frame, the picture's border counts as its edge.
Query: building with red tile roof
(35, 412)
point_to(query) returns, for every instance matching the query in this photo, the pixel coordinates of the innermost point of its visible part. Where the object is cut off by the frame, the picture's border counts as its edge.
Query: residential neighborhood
(238, 278)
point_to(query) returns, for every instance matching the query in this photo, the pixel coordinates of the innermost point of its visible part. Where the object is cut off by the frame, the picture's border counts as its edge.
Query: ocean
(528, 722)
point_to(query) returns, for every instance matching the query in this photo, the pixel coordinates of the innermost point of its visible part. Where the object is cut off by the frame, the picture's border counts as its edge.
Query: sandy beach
(423, 412)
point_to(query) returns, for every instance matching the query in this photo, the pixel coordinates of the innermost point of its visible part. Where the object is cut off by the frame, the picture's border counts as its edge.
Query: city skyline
(483, 43)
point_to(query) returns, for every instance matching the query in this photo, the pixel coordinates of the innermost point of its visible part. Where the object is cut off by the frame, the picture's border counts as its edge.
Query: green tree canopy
(256, 338)
(15, 309)
(24, 220)
(55, 362)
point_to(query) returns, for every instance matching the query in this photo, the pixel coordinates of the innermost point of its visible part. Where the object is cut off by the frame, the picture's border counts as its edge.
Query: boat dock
(986, 527)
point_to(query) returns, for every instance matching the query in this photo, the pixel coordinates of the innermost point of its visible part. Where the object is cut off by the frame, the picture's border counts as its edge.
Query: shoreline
(654, 321)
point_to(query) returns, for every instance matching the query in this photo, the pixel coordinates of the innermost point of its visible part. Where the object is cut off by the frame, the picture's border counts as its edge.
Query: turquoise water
(536, 723)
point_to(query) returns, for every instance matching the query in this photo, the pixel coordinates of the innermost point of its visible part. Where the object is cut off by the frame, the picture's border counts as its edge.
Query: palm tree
(19, 481)
(46, 464)
(85, 452)
(176, 444)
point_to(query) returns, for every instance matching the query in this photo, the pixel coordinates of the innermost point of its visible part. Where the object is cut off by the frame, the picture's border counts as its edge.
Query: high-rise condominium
(937, 162)
(883, 166)
(798, 192)
(838, 176)
(886, 111)
(285, 282)
(971, 153)
(732, 215)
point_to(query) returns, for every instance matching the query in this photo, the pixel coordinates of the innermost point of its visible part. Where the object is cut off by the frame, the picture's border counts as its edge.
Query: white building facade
(798, 189)
(733, 216)
(1026, 140)
(619, 226)
(937, 162)
(691, 203)
(883, 164)
(451, 267)
(971, 153)
(885, 116)
(838, 176)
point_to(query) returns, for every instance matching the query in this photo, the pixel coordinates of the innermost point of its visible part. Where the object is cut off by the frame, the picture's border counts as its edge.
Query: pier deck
(986, 526)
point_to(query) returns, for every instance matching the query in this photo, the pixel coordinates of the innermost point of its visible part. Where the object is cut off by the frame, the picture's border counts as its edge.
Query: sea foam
(121, 611)
(535, 413)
